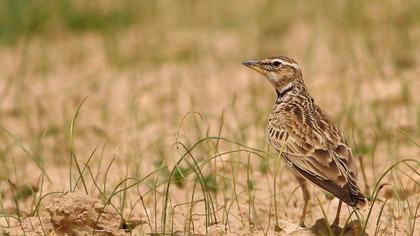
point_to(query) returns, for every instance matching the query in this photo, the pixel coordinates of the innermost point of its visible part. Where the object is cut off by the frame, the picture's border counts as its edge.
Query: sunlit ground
(120, 92)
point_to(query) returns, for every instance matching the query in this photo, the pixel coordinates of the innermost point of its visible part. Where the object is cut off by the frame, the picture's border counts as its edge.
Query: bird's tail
(352, 198)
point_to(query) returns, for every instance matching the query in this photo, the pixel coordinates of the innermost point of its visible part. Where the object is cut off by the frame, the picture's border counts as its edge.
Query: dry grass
(107, 99)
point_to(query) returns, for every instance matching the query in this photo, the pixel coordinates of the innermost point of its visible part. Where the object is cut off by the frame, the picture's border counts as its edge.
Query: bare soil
(72, 214)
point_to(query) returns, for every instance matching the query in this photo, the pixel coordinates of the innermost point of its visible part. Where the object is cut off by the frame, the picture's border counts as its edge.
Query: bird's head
(280, 71)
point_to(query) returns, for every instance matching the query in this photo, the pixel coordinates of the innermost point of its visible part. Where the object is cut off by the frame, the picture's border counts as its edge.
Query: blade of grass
(72, 153)
(26, 151)
(378, 187)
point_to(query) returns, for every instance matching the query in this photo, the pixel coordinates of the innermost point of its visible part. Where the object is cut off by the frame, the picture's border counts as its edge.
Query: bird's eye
(276, 63)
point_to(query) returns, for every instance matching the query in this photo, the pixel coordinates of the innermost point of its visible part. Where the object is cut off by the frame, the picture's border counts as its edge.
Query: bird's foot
(322, 227)
(336, 222)
(302, 224)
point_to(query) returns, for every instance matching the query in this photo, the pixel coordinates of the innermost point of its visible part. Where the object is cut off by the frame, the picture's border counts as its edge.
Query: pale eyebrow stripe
(294, 65)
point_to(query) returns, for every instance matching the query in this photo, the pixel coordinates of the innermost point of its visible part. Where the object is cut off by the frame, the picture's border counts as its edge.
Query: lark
(306, 137)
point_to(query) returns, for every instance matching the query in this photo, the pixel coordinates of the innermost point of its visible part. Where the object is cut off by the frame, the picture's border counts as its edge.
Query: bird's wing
(316, 148)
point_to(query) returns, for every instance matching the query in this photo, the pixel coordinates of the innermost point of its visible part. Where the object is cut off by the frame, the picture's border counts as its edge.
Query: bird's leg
(305, 193)
(337, 216)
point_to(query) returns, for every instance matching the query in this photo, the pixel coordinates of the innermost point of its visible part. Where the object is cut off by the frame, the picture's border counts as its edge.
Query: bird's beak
(254, 64)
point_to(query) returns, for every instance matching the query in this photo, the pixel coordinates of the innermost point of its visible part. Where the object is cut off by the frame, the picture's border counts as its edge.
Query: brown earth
(361, 64)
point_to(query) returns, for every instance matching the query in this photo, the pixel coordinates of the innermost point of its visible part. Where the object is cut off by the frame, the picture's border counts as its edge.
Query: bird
(307, 139)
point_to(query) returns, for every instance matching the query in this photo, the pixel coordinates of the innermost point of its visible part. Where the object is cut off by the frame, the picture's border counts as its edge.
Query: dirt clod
(78, 213)
(321, 227)
(74, 214)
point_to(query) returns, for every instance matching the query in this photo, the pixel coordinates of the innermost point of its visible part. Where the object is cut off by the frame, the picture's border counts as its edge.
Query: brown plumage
(306, 137)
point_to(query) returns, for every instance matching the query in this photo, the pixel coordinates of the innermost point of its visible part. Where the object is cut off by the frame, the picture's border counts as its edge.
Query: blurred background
(145, 64)
(146, 67)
